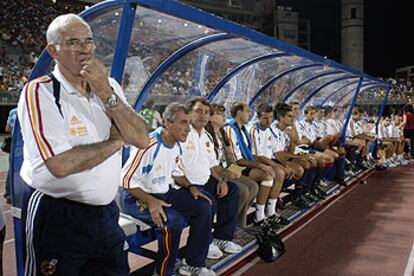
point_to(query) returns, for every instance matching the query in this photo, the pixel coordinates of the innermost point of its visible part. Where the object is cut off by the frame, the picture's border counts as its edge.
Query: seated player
(265, 143)
(149, 196)
(305, 191)
(360, 136)
(202, 168)
(242, 150)
(248, 188)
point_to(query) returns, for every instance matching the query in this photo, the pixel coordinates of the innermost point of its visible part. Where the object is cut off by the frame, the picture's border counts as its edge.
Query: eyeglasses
(77, 45)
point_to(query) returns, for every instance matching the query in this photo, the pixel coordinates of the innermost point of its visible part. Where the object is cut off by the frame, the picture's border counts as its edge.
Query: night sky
(388, 34)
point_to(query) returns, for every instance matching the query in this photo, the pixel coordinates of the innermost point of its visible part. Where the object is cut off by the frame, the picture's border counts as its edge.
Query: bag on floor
(6, 145)
(271, 247)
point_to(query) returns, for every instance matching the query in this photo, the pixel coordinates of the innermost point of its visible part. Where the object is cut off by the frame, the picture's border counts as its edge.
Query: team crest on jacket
(73, 131)
(141, 206)
(48, 267)
(74, 120)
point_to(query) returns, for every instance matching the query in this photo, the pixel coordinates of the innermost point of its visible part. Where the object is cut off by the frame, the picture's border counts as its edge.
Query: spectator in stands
(29, 33)
(147, 177)
(151, 116)
(202, 168)
(248, 188)
(408, 124)
(12, 78)
(74, 126)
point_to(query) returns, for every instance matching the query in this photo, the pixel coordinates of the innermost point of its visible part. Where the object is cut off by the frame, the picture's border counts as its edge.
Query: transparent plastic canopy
(167, 51)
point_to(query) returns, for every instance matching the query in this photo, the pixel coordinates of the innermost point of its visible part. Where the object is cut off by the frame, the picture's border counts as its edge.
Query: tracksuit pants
(226, 209)
(185, 209)
(65, 237)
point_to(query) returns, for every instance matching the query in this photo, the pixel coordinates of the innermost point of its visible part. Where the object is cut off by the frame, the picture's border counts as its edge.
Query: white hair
(60, 23)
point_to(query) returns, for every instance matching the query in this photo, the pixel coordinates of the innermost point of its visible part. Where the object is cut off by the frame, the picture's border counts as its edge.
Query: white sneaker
(389, 164)
(367, 165)
(395, 162)
(228, 246)
(188, 270)
(371, 163)
(214, 252)
(403, 161)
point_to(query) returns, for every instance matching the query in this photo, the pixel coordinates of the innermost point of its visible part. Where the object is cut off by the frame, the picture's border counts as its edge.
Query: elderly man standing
(74, 124)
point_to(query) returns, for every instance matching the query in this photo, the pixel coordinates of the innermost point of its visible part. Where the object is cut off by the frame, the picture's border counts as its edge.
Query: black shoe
(298, 202)
(342, 183)
(307, 200)
(313, 197)
(276, 221)
(380, 168)
(320, 194)
(260, 225)
(280, 205)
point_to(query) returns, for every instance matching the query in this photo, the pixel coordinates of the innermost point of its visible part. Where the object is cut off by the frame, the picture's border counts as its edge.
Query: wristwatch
(112, 101)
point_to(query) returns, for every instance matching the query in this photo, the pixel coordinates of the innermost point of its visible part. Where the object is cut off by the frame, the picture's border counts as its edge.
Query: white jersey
(306, 129)
(263, 141)
(393, 131)
(381, 131)
(354, 129)
(335, 127)
(198, 156)
(48, 131)
(365, 126)
(151, 169)
(387, 132)
(282, 140)
(321, 128)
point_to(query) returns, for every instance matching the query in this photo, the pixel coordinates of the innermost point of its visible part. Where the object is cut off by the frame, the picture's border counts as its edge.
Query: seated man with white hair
(150, 197)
